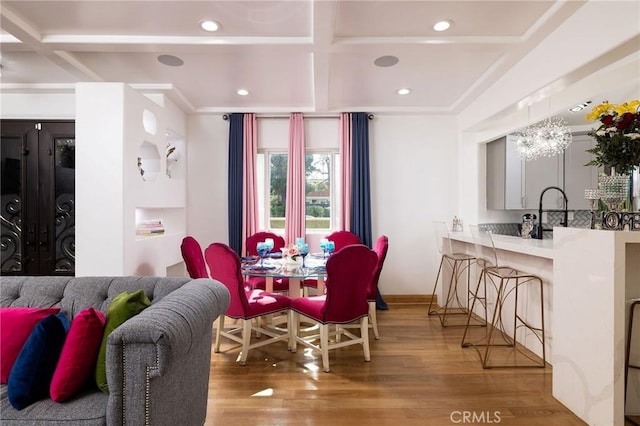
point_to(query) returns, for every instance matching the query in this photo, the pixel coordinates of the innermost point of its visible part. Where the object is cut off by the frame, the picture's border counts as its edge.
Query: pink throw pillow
(78, 358)
(16, 324)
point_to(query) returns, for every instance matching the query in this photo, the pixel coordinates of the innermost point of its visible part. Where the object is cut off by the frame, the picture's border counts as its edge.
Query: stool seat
(507, 283)
(458, 264)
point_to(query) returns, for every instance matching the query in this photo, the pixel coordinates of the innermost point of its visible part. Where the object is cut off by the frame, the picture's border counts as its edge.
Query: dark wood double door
(38, 197)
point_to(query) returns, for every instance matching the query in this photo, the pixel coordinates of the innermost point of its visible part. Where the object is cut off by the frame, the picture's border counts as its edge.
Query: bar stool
(459, 263)
(506, 281)
(627, 364)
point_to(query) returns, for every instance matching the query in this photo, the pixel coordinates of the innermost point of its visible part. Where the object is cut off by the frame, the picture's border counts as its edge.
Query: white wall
(38, 106)
(111, 194)
(413, 181)
(207, 152)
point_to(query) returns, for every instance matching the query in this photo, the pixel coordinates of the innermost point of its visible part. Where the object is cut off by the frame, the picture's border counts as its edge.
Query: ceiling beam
(323, 22)
(31, 37)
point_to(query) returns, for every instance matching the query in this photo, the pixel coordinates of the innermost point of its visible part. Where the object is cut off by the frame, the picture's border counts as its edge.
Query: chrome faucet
(538, 234)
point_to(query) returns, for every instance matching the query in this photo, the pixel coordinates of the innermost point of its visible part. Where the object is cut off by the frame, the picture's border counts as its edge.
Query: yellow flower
(631, 106)
(598, 111)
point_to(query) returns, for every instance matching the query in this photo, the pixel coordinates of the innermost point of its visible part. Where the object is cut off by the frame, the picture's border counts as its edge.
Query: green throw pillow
(122, 307)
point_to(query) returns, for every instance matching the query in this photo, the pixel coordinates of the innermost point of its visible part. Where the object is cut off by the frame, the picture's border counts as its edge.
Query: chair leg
(464, 344)
(216, 349)
(246, 340)
(324, 346)
(364, 333)
(294, 331)
(435, 286)
(374, 319)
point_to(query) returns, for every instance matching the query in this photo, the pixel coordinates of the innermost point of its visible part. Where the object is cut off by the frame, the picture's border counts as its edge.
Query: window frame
(264, 193)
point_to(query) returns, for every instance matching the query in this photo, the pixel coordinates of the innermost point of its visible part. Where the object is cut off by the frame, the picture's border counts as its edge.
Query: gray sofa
(157, 362)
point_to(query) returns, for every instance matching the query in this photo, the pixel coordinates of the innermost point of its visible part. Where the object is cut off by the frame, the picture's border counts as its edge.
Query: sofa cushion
(17, 325)
(78, 357)
(86, 408)
(31, 374)
(122, 307)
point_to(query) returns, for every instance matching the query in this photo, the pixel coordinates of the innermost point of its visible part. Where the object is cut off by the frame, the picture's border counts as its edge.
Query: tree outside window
(320, 192)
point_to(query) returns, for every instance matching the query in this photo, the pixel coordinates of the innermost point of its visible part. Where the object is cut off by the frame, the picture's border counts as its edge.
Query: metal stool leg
(496, 330)
(627, 365)
(452, 302)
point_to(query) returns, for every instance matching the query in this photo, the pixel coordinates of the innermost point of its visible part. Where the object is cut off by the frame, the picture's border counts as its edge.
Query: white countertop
(533, 247)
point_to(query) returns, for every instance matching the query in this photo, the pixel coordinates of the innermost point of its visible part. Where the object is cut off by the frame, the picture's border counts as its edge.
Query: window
(322, 205)
(320, 189)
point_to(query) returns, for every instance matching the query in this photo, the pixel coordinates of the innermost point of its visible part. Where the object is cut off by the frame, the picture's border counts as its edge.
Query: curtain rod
(226, 116)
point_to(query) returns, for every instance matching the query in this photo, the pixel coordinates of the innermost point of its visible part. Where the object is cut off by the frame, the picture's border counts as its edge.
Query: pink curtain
(345, 163)
(249, 182)
(295, 209)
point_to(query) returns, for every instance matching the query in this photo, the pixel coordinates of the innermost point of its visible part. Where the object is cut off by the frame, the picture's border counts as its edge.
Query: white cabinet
(539, 174)
(515, 184)
(577, 177)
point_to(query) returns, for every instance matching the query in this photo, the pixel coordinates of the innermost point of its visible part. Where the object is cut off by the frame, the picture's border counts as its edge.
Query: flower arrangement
(292, 252)
(618, 137)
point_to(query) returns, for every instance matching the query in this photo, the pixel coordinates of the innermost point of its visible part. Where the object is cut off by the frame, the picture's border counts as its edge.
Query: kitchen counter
(588, 278)
(531, 246)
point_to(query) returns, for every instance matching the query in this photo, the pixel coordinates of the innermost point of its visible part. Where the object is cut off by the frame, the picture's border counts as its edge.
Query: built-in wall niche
(149, 122)
(155, 222)
(175, 160)
(148, 161)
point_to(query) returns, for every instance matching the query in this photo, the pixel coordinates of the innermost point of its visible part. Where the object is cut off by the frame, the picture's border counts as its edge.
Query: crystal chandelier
(546, 139)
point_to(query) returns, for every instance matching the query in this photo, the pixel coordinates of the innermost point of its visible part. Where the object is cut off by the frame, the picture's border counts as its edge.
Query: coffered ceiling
(299, 55)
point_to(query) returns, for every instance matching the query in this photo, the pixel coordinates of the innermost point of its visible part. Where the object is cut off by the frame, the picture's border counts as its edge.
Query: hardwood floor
(418, 375)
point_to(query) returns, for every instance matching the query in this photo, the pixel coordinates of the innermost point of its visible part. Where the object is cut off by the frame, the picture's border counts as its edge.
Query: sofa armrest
(158, 361)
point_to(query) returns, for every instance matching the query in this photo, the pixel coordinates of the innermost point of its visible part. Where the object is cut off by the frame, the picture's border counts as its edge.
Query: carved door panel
(38, 197)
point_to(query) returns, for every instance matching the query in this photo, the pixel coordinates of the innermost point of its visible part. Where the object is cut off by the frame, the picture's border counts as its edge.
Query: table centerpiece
(617, 148)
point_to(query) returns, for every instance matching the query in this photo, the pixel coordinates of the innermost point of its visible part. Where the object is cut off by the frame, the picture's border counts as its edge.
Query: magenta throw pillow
(79, 353)
(31, 374)
(16, 324)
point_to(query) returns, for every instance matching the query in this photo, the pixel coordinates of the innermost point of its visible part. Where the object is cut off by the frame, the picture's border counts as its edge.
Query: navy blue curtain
(360, 184)
(235, 181)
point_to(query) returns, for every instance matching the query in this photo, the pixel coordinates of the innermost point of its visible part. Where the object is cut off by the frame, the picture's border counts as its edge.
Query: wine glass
(323, 247)
(263, 249)
(304, 251)
(269, 243)
(331, 247)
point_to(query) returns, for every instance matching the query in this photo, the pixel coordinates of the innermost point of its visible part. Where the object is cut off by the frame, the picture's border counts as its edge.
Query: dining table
(275, 267)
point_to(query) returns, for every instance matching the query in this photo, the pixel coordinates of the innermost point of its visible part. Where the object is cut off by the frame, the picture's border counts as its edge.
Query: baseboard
(408, 298)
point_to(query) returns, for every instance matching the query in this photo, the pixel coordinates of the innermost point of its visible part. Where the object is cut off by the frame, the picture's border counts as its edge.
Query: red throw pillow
(16, 326)
(78, 358)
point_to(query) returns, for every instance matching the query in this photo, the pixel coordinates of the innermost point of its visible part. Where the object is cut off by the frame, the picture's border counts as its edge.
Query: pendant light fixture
(548, 138)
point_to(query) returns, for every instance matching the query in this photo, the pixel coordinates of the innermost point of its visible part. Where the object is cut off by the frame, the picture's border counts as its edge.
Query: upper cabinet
(515, 184)
(577, 177)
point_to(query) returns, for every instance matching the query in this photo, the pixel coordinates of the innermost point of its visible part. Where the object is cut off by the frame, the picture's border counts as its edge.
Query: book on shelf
(150, 227)
(150, 231)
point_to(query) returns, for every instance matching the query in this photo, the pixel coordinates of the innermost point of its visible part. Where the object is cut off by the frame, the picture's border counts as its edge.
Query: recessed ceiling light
(404, 91)
(442, 25)
(579, 107)
(209, 25)
(242, 92)
(170, 60)
(386, 61)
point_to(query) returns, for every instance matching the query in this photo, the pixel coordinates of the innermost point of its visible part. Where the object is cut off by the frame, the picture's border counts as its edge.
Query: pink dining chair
(246, 304)
(381, 247)
(349, 273)
(280, 285)
(343, 238)
(193, 258)
(340, 239)
(253, 240)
